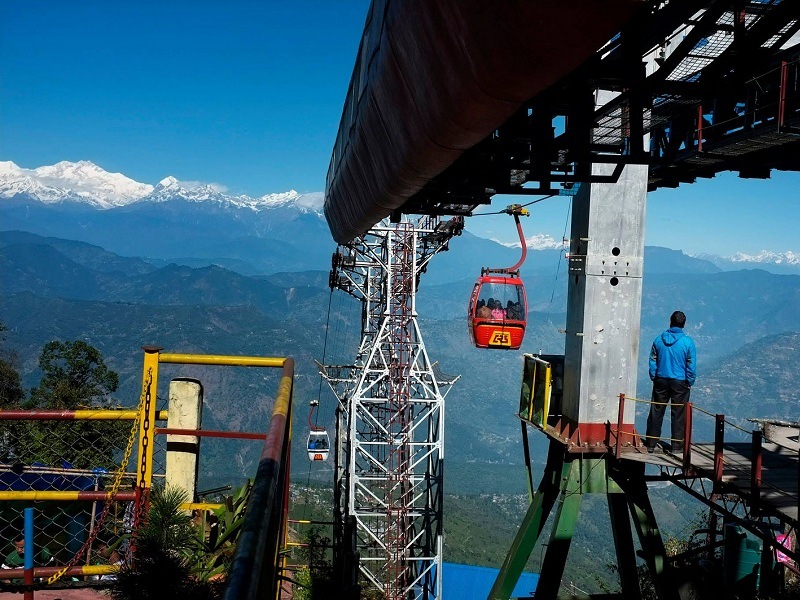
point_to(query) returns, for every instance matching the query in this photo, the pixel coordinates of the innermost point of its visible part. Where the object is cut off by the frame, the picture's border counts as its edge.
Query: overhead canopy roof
(452, 102)
(433, 79)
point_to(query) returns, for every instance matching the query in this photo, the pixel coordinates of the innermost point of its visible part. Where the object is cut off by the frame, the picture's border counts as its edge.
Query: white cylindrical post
(185, 412)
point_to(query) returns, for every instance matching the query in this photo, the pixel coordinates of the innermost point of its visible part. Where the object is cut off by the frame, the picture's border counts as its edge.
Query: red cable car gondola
(498, 308)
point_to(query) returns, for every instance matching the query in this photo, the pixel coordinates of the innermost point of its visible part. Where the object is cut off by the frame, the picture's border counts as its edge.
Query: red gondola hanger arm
(521, 241)
(517, 210)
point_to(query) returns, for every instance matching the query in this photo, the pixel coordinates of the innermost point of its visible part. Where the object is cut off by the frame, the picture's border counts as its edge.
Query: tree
(11, 393)
(316, 579)
(74, 376)
(11, 396)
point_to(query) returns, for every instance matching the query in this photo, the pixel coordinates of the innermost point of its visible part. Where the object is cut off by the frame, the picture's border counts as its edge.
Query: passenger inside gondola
(498, 313)
(320, 443)
(500, 302)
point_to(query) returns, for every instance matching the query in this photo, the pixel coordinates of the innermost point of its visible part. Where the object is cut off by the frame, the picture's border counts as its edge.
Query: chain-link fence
(74, 484)
(64, 464)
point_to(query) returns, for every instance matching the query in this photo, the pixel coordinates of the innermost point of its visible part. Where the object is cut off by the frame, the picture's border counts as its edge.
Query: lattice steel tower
(390, 418)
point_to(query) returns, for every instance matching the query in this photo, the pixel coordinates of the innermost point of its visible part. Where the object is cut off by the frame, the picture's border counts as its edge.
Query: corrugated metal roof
(465, 582)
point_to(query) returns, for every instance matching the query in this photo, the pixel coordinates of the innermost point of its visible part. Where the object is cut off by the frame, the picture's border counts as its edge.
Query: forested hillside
(746, 324)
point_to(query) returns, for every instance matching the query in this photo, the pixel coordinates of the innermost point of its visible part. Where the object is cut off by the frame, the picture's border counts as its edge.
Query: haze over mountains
(198, 270)
(62, 200)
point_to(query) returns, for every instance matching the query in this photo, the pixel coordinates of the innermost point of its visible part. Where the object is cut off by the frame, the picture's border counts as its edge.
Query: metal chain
(144, 402)
(141, 498)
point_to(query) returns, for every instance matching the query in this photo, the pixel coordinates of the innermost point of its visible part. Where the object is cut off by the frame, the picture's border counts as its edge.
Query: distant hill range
(200, 224)
(745, 324)
(197, 270)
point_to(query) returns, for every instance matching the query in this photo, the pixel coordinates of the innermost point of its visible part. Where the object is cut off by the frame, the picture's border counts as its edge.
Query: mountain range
(193, 269)
(221, 277)
(192, 222)
(85, 182)
(56, 288)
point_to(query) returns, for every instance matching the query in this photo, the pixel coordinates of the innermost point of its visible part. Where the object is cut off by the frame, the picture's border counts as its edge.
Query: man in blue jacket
(673, 368)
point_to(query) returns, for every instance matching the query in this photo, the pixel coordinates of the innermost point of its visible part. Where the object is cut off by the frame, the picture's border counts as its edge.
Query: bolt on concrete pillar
(185, 412)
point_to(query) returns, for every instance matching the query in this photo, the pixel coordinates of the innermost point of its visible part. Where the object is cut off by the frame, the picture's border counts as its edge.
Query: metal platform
(775, 491)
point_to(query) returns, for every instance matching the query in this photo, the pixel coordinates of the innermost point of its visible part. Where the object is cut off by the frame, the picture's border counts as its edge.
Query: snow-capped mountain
(778, 258)
(540, 241)
(88, 183)
(82, 181)
(776, 262)
(185, 222)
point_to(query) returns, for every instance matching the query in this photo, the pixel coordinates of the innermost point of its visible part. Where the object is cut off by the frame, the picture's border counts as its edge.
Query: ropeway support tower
(390, 417)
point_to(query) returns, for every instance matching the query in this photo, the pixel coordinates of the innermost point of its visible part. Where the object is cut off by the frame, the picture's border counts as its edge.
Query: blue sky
(245, 93)
(721, 216)
(248, 94)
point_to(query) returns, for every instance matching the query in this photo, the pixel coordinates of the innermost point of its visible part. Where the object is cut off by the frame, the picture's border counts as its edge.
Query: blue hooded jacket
(674, 356)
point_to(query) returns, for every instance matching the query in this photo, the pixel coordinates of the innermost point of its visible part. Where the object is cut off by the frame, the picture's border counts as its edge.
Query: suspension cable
(319, 394)
(324, 351)
(558, 266)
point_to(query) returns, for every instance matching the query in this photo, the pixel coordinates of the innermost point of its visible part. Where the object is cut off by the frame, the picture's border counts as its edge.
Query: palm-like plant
(164, 544)
(217, 553)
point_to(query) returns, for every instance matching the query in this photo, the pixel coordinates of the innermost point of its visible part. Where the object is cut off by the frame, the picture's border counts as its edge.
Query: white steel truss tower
(390, 418)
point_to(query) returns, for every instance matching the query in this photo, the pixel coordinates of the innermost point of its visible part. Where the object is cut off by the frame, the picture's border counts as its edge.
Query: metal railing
(257, 566)
(69, 498)
(753, 469)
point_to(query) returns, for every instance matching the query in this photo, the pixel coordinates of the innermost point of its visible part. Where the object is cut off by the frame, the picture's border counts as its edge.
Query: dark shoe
(677, 449)
(651, 448)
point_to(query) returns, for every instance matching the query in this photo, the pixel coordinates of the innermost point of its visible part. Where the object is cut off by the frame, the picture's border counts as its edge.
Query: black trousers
(676, 392)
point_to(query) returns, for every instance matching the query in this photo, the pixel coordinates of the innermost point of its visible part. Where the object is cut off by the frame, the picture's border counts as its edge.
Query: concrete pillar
(604, 304)
(185, 412)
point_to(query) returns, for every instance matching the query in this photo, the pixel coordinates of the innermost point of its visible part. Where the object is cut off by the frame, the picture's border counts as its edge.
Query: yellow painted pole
(201, 506)
(78, 571)
(114, 415)
(287, 381)
(144, 468)
(221, 360)
(38, 495)
(96, 414)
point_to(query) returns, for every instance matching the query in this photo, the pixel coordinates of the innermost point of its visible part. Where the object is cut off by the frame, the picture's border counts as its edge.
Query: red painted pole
(620, 417)
(782, 95)
(240, 435)
(687, 437)
(719, 442)
(755, 472)
(700, 128)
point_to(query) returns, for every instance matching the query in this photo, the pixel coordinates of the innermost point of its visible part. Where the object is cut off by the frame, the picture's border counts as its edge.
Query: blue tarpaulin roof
(465, 582)
(26, 480)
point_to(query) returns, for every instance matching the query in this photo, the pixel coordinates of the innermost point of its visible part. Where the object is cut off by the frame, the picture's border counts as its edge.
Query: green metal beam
(644, 519)
(532, 524)
(566, 478)
(564, 527)
(527, 455)
(623, 543)
(520, 550)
